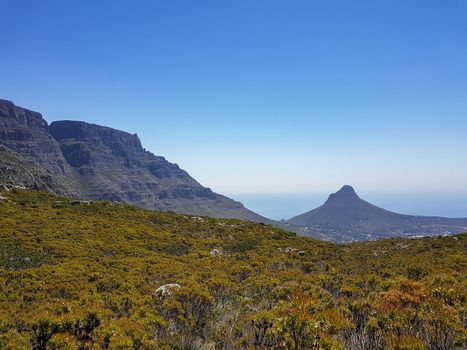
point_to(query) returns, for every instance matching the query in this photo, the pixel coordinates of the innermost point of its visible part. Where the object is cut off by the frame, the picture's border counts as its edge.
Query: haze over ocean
(287, 205)
(260, 97)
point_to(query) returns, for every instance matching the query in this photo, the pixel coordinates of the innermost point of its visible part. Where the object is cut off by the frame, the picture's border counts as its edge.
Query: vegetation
(103, 276)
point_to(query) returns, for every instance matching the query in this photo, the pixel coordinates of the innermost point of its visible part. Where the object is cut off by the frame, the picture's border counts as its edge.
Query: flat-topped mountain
(347, 217)
(89, 161)
(113, 165)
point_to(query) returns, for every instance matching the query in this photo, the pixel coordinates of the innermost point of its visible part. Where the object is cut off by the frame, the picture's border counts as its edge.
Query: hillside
(80, 275)
(89, 161)
(113, 165)
(346, 217)
(17, 170)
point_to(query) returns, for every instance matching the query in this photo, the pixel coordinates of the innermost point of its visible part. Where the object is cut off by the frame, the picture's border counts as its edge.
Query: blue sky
(258, 96)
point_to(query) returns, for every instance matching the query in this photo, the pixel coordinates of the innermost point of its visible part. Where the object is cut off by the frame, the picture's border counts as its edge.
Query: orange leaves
(300, 322)
(110, 260)
(412, 316)
(406, 295)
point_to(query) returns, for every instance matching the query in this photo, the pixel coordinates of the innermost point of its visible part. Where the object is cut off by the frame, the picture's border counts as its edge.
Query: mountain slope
(18, 171)
(31, 157)
(112, 165)
(346, 217)
(101, 276)
(89, 161)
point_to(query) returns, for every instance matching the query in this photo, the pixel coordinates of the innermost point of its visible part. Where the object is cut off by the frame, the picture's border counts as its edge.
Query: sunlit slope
(99, 275)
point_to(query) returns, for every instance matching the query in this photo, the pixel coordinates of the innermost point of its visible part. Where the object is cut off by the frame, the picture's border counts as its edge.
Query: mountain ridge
(84, 160)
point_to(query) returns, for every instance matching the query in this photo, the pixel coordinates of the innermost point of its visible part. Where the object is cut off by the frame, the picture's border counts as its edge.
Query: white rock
(215, 252)
(167, 289)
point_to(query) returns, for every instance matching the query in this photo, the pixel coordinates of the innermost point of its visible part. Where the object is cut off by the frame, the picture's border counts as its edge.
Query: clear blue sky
(257, 96)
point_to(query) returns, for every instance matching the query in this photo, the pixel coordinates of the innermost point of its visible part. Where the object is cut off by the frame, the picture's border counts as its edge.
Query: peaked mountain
(88, 161)
(346, 217)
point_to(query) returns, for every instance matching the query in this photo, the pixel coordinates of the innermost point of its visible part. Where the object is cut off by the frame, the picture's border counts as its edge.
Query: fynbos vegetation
(105, 276)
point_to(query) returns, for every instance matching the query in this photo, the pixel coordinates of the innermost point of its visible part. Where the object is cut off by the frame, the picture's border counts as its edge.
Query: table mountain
(80, 159)
(30, 156)
(346, 217)
(113, 165)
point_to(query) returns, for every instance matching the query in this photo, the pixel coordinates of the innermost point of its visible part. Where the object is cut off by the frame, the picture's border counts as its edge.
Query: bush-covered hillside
(79, 275)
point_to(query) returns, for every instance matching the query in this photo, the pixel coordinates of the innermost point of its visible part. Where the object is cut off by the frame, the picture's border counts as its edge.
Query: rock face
(31, 157)
(89, 161)
(346, 217)
(112, 165)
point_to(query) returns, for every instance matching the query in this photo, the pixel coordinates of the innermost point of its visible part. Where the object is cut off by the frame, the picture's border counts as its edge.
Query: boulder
(167, 289)
(215, 252)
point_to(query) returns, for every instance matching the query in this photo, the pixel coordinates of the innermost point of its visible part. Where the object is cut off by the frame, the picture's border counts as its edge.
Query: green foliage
(241, 244)
(16, 257)
(176, 248)
(84, 276)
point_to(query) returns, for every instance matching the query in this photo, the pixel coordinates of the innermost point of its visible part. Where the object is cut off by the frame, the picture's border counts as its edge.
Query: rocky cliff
(113, 165)
(31, 157)
(80, 159)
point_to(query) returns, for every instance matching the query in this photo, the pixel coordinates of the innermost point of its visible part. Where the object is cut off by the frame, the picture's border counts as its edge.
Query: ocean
(285, 206)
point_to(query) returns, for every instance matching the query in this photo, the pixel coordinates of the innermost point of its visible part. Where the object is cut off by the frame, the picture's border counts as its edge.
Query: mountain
(346, 217)
(83, 160)
(31, 157)
(19, 171)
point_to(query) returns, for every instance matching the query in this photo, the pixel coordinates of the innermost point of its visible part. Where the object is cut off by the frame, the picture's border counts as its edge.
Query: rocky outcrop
(17, 171)
(167, 290)
(31, 156)
(88, 161)
(112, 165)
